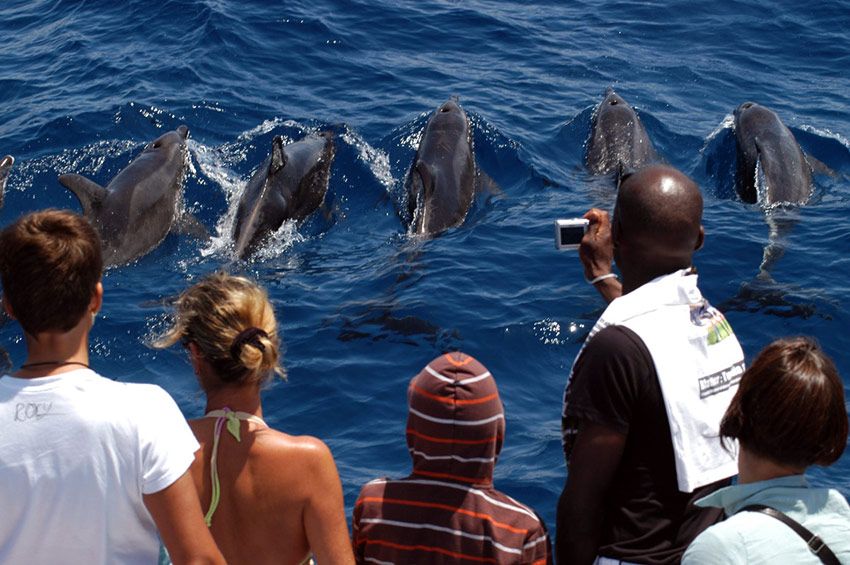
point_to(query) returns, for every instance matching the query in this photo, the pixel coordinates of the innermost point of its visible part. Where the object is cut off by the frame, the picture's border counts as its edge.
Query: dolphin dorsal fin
(278, 155)
(90, 194)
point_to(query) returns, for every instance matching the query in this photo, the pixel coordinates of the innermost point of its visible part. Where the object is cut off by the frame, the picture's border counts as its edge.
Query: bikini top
(232, 419)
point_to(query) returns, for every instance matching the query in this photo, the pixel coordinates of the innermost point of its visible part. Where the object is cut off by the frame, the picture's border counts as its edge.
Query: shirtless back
(278, 495)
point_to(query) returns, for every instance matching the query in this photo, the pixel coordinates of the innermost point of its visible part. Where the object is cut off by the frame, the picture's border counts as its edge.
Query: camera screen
(571, 235)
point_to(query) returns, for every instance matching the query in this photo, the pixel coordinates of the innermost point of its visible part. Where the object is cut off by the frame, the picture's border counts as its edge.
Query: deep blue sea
(84, 85)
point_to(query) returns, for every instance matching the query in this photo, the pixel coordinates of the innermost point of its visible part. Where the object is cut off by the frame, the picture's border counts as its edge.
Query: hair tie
(251, 335)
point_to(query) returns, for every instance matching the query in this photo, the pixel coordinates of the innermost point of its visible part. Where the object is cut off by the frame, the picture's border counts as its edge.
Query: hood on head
(456, 422)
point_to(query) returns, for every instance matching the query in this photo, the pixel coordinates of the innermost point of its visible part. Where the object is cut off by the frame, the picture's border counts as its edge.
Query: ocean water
(363, 306)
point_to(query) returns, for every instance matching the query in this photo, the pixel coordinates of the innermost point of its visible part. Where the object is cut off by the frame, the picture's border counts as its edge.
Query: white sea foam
(376, 159)
(827, 133)
(270, 125)
(728, 122)
(216, 163)
(88, 160)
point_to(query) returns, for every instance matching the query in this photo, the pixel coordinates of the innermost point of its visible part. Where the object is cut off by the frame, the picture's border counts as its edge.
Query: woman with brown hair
(269, 497)
(788, 414)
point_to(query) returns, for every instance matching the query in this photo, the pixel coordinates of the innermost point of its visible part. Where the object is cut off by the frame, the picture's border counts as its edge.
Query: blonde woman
(268, 497)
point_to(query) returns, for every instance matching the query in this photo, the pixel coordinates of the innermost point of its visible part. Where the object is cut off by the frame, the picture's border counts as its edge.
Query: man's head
(50, 267)
(657, 221)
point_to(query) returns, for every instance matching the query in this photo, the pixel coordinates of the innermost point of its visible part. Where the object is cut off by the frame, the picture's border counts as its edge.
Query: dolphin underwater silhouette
(290, 184)
(141, 204)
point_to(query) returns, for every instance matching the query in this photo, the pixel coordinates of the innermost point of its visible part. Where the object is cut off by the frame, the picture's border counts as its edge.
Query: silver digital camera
(568, 233)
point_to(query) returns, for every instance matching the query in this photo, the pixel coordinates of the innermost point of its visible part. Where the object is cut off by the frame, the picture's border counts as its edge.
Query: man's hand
(597, 249)
(596, 253)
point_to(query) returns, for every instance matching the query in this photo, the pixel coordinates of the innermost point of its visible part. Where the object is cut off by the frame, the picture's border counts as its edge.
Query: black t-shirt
(647, 518)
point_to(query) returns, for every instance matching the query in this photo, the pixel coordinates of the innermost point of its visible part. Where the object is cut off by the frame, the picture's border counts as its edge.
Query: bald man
(643, 404)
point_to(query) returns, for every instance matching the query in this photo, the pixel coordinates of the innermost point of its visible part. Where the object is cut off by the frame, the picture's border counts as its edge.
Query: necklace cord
(54, 363)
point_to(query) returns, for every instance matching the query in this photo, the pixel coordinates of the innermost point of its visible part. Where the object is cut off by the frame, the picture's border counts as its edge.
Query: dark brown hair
(50, 264)
(790, 407)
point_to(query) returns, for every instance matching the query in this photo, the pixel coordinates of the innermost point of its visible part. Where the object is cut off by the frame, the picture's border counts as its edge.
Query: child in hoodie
(448, 510)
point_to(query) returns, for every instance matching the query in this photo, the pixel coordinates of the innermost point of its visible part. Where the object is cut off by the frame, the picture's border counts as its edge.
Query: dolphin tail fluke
(90, 194)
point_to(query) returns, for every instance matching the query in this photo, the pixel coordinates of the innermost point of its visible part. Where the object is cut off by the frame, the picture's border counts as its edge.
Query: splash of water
(376, 159)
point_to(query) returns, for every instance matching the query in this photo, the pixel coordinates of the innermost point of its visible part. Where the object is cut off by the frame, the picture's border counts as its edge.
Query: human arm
(324, 515)
(609, 380)
(595, 457)
(596, 253)
(176, 511)
(168, 447)
(537, 549)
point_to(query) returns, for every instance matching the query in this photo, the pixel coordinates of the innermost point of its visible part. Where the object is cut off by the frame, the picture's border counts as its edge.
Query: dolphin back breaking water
(138, 207)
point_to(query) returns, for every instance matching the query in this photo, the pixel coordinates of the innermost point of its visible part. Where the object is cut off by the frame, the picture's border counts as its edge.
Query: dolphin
(142, 203)
(443, 177)
(771, 166)
(290, 185)
(618, 141)
(5, 166)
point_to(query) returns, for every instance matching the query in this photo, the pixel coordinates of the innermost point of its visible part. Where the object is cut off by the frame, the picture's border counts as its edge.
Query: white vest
(699, 364)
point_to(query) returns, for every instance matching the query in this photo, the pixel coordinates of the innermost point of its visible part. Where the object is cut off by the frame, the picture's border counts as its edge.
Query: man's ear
(700, 239)
(96, 299)
(8, 308)
(616, 231)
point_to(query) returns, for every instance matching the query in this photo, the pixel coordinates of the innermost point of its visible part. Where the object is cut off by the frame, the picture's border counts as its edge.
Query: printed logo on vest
(707, 316)
(721, 381)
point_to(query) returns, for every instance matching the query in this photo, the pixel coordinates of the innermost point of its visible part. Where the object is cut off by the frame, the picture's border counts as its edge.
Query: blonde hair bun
(232, 322)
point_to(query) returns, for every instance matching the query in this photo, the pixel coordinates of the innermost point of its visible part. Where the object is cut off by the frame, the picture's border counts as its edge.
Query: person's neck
(53, 353)
(635, 280)
(244, 398)
(753, 468)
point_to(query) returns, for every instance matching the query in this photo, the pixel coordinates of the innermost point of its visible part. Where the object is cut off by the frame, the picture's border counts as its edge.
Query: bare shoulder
(304, 452)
